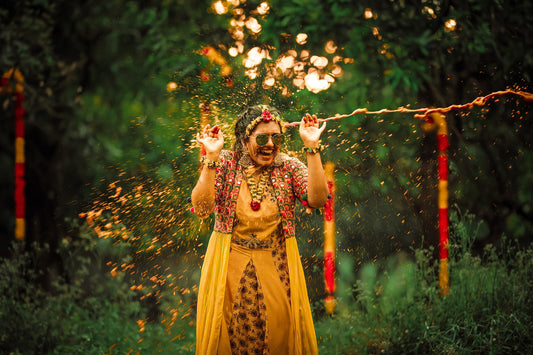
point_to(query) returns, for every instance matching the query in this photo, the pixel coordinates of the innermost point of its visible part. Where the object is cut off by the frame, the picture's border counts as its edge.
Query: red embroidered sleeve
(222, 171)
(299, 175)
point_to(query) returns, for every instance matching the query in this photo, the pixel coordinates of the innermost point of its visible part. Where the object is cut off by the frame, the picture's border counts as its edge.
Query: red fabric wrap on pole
(329, 241)
(19, 113)
(443, 233)
(19, 99)
(20, 198)
(19, 128)
(443, 167)
(12, 82)
(329, 271)
(444, 144)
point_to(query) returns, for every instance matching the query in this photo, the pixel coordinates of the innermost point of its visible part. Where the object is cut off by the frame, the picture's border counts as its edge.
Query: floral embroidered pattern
(289, 180)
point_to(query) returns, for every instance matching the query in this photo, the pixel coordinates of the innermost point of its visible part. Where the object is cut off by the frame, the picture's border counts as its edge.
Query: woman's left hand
(310, 131)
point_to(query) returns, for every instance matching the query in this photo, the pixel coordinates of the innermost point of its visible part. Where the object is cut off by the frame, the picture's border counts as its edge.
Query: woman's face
(263, 155)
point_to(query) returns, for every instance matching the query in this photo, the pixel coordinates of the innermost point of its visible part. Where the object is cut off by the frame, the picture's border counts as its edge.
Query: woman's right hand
(212, 141)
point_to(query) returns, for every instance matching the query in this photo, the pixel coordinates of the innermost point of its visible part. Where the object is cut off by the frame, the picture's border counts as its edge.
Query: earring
(245, 159)
(278, 160)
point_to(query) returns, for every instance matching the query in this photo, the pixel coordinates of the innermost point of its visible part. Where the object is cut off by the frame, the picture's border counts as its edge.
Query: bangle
(313, 150)
(209, 163)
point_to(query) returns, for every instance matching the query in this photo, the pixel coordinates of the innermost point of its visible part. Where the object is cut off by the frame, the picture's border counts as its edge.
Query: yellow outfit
(252, 294)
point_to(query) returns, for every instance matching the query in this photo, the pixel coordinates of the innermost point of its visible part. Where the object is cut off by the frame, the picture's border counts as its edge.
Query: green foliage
(396, 307)
(98, 117)
(93, 73)
(87, 311)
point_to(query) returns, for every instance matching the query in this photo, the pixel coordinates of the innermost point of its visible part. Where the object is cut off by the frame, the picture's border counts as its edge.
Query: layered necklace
(256, 190)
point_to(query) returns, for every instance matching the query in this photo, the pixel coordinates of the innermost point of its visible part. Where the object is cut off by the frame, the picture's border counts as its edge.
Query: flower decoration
(255, 189)
(267, 116)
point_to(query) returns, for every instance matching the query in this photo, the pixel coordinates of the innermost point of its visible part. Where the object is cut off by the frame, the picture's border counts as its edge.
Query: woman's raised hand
(212, 140)
(310, 131)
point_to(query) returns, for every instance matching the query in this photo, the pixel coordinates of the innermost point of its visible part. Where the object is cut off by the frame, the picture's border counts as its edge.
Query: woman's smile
(266, 152)
(263, 155)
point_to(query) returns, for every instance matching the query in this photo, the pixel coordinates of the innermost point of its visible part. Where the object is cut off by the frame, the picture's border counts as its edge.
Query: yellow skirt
(211, 329)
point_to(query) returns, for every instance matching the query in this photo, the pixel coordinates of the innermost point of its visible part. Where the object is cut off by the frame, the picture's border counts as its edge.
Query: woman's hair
(245, 118)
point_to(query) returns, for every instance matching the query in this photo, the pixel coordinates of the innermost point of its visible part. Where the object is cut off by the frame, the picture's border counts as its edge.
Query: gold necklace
(256, 190)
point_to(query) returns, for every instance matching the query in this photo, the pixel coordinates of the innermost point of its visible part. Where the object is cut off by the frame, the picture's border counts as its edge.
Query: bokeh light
(450, 25)
(220, 7)
(301, 38)
(298, 69)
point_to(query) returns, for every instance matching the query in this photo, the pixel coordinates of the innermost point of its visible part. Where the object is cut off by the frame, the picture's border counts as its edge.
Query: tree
(418, 53)
(88, 67)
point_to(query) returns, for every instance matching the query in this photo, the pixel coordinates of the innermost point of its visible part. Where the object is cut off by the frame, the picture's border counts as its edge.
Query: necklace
(256, 190)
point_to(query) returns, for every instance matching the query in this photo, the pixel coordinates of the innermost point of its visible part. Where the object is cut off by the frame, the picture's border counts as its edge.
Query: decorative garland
(266, 117)
(424, 113)
(256, 190)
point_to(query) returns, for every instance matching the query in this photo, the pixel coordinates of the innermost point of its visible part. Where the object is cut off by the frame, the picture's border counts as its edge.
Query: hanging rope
(424, 113)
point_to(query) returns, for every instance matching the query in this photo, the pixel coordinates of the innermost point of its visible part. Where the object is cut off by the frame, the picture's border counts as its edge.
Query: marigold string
(424, 113)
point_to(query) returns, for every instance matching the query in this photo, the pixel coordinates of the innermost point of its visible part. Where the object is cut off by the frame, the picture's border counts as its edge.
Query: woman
(252, 297)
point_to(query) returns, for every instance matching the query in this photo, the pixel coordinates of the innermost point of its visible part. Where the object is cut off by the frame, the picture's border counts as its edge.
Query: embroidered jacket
(288, 178)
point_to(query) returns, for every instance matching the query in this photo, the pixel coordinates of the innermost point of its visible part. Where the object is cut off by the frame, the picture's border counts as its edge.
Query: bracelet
(313, 150)
(210, 164)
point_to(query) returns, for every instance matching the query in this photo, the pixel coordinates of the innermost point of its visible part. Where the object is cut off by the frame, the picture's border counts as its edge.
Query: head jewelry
(266, 116)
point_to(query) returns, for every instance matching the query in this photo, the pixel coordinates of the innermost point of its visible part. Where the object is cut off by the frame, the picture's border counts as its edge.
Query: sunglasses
(262, 139)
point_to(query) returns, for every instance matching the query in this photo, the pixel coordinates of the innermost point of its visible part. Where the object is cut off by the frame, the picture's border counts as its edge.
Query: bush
(93, 313)
(396, 307)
